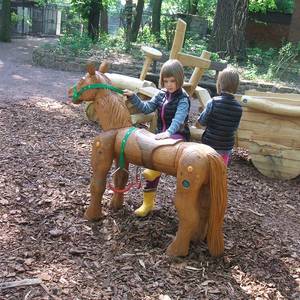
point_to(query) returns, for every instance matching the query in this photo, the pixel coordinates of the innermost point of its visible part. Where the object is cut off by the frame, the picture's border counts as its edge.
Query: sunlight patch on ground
(18, 77)
(252, 286)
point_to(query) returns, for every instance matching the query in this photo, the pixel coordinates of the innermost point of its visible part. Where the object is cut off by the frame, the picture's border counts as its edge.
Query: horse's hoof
(172, 250)
(116, 202)
(93, 215)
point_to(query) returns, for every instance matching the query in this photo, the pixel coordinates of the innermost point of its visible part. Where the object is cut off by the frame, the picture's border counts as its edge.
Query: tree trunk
(103, 19)
(93, 19)
(137, 20)
(228, 36)
(5, 26)
(193, 4)
(156, 12)
(294, 34)
(128, 23)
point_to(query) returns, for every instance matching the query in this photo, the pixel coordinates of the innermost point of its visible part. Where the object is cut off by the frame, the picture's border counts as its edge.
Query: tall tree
(93, 19)
(5, 25)
(137, 20)
(228, 35)
(156, 13)
(103, 18)
(193, 7)
(294, 34)
(128, 23)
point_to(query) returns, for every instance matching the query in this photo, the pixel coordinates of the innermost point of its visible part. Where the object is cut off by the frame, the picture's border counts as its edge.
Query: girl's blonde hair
(228, 81)
(172, 68)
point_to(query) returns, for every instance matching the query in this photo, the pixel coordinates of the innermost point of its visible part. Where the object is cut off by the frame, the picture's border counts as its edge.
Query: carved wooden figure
(201, 192)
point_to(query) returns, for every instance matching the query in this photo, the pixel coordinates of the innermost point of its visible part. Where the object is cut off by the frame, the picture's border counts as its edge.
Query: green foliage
(273, 64)
(285, 6)
(286, 59)
(15, 18)
(194, 45)
(261, 5)
(145, 36)
(75, 44)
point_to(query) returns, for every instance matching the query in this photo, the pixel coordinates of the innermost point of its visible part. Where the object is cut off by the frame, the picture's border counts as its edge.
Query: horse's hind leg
(203, 206)
(191, 174)
(120, 179)
(102, 158)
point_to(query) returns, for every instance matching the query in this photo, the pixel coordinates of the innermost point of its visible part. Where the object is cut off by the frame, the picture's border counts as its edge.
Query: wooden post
(150, 55)
(178, 39)
(198, 72)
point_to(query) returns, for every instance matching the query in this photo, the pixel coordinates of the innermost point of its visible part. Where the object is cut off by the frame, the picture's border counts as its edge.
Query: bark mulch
(44, 188)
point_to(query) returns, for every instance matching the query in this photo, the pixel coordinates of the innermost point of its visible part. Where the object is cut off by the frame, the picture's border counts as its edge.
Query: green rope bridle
(77, 94)
(122, 164)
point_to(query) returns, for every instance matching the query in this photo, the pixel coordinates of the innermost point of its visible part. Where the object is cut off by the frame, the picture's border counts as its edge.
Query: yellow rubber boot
(150, 174)
(147, 206)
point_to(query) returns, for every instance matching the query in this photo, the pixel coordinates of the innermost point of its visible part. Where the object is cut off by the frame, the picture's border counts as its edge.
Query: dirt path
(21, 80)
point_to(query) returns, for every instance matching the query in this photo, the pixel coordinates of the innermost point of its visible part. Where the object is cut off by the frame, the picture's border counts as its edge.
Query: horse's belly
(161, 160)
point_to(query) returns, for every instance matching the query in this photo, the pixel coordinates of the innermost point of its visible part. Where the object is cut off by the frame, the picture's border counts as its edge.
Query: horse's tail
(218, 204)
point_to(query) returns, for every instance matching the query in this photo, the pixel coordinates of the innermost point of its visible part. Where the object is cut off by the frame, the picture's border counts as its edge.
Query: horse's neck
(111, 112)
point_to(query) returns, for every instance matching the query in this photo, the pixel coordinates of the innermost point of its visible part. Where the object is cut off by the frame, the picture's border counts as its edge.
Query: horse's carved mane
(108, 104)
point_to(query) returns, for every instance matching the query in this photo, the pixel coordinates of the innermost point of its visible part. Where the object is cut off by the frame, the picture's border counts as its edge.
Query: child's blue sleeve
(180, 116)
(204, 116)
(146, 107)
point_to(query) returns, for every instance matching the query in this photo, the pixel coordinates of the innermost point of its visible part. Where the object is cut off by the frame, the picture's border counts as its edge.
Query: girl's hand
(127, 93)
(162, 135)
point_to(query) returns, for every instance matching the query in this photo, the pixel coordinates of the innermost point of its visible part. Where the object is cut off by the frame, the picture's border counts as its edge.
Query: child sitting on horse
(172, 105)
(222, 115)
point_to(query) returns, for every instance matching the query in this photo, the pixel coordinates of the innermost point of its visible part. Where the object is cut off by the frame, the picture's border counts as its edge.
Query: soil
(44, 188)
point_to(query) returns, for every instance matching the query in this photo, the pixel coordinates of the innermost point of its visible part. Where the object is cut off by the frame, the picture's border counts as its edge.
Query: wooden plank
(193, 61)
(290, 96)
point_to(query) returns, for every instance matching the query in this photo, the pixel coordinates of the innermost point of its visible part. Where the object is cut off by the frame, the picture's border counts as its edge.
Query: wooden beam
(193, 61)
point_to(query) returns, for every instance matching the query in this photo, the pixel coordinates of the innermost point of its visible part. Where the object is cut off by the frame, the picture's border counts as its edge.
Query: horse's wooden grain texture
(201, 192)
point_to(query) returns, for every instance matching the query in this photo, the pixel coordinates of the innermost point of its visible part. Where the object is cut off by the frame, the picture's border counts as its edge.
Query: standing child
(222, 115)
(172, 105)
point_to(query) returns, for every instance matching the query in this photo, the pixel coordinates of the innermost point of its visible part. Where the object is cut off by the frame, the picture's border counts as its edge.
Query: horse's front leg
(102, 158)
(120, 179)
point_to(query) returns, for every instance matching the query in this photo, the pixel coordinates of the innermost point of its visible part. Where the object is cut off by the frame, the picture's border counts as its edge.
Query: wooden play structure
(201, 191)
(147, 89)
(270, 130)
(270, 125)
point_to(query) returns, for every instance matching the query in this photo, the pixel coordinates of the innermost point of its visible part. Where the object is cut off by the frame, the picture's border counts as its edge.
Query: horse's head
(86, 88)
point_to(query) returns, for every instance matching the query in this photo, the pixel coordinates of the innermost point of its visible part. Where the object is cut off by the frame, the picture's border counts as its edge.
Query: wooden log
(127, 82)
(198, 72)
(271, 107)
(272, 95)
(196, 133)
(178, 39)
(202, 95)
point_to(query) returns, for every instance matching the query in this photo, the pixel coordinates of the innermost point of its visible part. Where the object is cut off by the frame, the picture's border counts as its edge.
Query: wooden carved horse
(201, 192)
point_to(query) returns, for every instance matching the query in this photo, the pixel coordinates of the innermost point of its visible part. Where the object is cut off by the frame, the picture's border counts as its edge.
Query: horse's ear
(91, 69)
(104, 67)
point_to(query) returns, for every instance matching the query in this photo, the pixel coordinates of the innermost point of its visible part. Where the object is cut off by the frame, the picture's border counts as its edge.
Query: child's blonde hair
(228, 81)
(172, 68)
